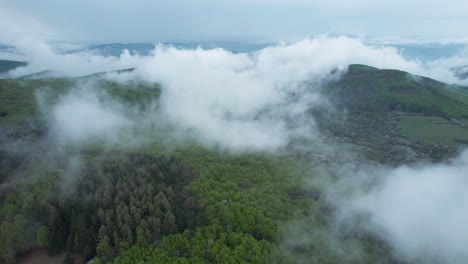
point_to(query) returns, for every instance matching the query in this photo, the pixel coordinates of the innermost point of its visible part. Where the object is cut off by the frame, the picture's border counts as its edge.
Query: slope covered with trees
(364, 88)
(161, 202)
(8, 65)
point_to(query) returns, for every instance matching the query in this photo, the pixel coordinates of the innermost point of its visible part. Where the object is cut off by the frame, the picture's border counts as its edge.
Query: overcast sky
(97, 21)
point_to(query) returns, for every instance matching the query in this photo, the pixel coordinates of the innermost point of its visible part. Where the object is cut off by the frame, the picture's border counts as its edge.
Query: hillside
(142, 197)
(8, 65)
(391, 109)
(18, 97)
(364, 88)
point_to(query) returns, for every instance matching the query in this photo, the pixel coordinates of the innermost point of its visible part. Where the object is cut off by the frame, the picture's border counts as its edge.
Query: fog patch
(421, 210)
(253, 101)
(83, 115)
(242, 101)
(43, 57)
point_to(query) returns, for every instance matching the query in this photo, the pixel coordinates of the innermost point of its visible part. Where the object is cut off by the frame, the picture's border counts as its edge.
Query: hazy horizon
(139, 21)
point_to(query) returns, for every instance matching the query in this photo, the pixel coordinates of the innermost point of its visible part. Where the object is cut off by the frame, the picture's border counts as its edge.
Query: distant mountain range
(424, 51)
(430, 51)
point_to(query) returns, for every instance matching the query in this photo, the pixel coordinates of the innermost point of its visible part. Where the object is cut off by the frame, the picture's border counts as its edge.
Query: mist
(260, 102)
(242, 101)
(81, 115)
(420, 210)
(236, 101)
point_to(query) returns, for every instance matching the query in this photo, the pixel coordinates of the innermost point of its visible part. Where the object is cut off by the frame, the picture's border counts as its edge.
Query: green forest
(162, 202)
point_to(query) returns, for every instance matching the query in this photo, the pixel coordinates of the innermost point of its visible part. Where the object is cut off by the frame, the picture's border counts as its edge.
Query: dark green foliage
(68, 259)
(369, 89)
(119, 200)
(42, 236)
(57, 230)
(204, 245)
(190, 204)
(19, 207)
(18, 97)
(245, 198)
(8, 65)
(16, 100)
(123, 200)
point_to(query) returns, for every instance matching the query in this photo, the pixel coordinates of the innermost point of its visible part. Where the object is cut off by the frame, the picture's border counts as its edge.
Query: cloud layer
(421, 210)
(256, 101)
(83, 115)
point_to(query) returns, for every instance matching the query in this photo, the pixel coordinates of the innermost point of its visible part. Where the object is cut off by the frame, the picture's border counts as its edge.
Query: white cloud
(420, 210)
(42, 56)
(82, 115)
(242, 101)
(16, 26)
(239, 101)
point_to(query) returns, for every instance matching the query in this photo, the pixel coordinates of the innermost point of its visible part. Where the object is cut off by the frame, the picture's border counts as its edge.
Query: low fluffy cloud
(16, 26)
(83, 114)
(42, 56)
(246, 100)
(238, 101)
(420, 210)
(290, 61)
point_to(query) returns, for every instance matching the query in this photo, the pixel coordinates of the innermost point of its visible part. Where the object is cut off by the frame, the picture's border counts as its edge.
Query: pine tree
(169, 223)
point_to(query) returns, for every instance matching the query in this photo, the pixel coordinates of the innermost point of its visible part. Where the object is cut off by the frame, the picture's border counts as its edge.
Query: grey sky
(164, 20)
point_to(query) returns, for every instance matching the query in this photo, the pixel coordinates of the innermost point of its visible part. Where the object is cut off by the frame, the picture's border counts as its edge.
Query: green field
(433, 130)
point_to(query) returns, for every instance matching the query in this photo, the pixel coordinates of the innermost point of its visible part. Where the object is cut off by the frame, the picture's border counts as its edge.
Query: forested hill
(145, 198)
(365, 88)
(395, 117)
(8, 65)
